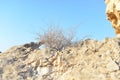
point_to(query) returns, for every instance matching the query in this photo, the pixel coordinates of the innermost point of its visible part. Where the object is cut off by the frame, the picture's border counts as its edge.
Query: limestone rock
(113, 13)
(90, 60)
(112, 66)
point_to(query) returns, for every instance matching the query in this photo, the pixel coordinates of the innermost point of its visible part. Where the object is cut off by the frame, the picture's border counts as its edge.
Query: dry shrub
(54, 38)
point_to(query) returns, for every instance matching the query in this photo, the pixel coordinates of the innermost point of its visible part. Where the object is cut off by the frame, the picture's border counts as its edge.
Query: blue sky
(20, 20)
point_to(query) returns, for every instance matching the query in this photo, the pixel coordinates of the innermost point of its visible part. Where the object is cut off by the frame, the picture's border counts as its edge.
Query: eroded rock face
(113, 13)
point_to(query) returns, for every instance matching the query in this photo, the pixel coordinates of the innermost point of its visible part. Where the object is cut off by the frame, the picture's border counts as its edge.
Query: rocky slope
(88, 60)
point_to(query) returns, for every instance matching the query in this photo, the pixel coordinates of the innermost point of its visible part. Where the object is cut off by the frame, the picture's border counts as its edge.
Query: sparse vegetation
(55, 38)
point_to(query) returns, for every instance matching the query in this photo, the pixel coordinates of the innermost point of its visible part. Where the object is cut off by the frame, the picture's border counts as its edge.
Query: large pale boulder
(113, 13)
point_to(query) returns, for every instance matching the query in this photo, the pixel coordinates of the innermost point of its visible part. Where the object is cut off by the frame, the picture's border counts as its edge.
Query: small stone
(23, 75)
(21, 66)
(11, 61)
(112, 66)
(43, 70)
(1, 70)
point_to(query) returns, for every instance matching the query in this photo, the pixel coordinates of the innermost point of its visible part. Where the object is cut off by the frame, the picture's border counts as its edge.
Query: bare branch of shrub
(54, 38)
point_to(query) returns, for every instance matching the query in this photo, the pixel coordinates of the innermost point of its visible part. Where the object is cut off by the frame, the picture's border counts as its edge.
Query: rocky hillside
(88, 60)
(85, 60)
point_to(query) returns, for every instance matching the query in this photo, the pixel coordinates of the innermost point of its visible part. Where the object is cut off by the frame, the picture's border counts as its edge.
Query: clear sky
(20, 20)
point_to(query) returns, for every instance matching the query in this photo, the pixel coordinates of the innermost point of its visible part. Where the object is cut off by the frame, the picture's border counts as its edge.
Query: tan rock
(112, 66)
(44, 70)
(93, 60)
(71, 75)
(113, 13)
